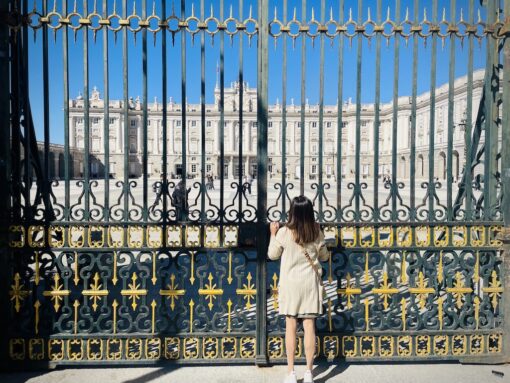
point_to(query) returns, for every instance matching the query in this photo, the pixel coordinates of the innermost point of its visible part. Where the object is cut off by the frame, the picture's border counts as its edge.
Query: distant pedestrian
(300, 244)
(180, 200)
(249, 182)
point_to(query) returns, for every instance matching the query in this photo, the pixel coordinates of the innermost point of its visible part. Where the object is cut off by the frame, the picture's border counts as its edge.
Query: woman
(301, 245)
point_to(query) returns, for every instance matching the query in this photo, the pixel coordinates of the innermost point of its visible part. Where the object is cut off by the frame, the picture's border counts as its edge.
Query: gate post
(5, 153)
(505, 178)
(262, 228)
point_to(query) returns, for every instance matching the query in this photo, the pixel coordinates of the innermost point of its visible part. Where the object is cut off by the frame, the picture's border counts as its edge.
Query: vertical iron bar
(357, 186)
(222, 115)
(46, 116)
(126, 113)
(145, 212)
(303, 100)
(414, 91)
(284, 115)
(6, 193)
(321, 112)
(505, 170)
(396, 58)
(241, 79)
(469, 120)
(183, 111)
(106, 120)
(491, 115)
(86, 120)
(27, 152)
(339, 128)
(431, 186)
(164, 159)
(449, 165)
(377, 120)
(262, 227)
(202, 106)
(67, 169)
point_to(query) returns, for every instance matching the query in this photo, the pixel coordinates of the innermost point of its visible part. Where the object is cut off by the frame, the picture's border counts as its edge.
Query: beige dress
(299, 291)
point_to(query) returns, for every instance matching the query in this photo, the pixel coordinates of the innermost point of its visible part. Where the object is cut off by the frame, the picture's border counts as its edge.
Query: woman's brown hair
(302, 220)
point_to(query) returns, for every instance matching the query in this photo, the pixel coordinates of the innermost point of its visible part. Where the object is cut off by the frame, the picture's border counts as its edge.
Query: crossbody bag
(314, 267)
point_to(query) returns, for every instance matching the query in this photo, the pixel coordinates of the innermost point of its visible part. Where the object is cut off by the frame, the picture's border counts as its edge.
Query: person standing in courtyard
(301, 246)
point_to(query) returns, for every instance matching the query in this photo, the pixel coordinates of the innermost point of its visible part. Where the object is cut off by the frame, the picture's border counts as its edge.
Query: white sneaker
(308, 377)
(291, 378)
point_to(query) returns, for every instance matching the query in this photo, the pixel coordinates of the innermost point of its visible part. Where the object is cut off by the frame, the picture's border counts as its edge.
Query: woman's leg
(309, 327)
(290, 341)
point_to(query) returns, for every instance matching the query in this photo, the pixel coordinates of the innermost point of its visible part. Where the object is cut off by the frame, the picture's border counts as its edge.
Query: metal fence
(153, 274)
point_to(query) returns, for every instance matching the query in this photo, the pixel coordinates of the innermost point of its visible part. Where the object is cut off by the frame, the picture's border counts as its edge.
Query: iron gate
(104, 271)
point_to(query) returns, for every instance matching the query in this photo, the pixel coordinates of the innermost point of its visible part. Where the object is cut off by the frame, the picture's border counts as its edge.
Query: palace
(292, 136)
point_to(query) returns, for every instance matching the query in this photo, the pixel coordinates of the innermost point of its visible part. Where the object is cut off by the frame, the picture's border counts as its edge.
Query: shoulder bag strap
(314, 267)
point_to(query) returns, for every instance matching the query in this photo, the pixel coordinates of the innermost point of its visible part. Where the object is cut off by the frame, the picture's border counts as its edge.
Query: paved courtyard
(343, 373)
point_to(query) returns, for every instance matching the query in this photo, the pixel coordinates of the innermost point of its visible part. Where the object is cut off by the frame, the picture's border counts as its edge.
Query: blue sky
(76, 67)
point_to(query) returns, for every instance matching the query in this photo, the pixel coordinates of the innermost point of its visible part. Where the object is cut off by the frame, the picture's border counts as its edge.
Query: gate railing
(129, 274)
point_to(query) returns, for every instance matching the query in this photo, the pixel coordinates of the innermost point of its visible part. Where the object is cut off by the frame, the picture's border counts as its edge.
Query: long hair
(302, 220)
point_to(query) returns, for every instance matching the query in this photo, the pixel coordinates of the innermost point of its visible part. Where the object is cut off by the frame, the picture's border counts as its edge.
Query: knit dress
(299, 291)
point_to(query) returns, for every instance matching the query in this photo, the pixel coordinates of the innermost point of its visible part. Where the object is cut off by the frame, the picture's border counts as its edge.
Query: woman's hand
(273, 227)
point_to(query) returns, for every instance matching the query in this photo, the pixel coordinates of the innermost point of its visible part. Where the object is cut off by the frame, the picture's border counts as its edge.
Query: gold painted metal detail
(348, 236)
(421, 290)
(135, 236)
(440, 344)
(385, 290)
(36, 236)
(459, 344)
(94, 349)
(229, 317)
(76, 305)
(95, 292)
(422, 345)
(37, 306)
(76, 278)
(404, 345)
(115, 304)
(349, 351)
(247, 347)
(153, 321)
(367, 314)
(114, 349)
(476, 344)
(228, 347)
(192, 236)
(476, 271)
(191, 306)
(275, 347)
(75, 349)
(56, 349)
(76, 236)
(440, 268)
(17, 293)
(387, 232)
(154, 237)
(114, 278)
(367, 340)
(16, 236)
(477, 236)
(191, 348)
(57, 292)
(115, 236)
(192, 266)
(348, 291)
(36, 349)
(248, 291)
(96, 236)
(458, 290)
(56, 236)
(403, 271)
(330, 318)
(210, 291)
(495, 232)
(37, 271)
(422, 236)
(230, 236)
(364, 232)
(211, 236)
(459, 236)
(172, 348)
(476, 304)
(172, 292)
(173, 236)
(386, 347)
(441, 231)
(229, 278)
(134, 292)
(154, 278)
(153, 348)
(330, 345)
(331, 235)
(404, 236)
(274, 291)
(440, 312)
(403, 309)
(495, 343)
(495, 289)
(134, 348)
(17, 349)
(210, 347)
(367, 267)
